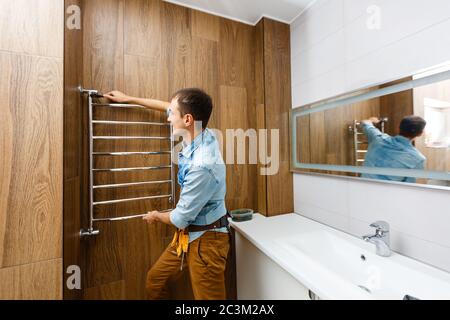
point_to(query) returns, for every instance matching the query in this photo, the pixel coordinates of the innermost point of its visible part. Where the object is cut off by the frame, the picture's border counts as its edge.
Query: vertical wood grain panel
(237, 73)
(233, 101)
(303, 139)
(32, 27)
(236, 46)
(109, 291)
(204, 74)
(142, 33)
(103, 45)
(260, 111)
(6, 148)
(31, 96)
(73, 151)
(103, 64)
(205, 25)
(34, 281)
(396, 107)
(359, 111)
(176, 46)
(337, 143)
(30, 101)
(278, 104)
(317, 135)
(140, 73)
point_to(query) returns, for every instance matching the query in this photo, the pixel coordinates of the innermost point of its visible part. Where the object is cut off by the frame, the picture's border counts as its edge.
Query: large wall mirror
(397, 132)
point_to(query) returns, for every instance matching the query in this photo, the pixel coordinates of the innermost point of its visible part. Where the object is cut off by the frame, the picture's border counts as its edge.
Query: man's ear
(188, 120)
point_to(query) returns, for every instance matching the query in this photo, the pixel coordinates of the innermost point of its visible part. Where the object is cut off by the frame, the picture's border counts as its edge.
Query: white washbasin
(336, 265)
(356, 262)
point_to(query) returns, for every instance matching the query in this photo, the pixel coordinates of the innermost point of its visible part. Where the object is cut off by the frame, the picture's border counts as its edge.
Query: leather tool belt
(222, 222)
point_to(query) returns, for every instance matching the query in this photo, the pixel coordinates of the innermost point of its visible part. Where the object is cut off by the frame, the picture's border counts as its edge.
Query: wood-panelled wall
(31, 148)
(273, 78)
(75, 174)
(151, 48)
(396, 106)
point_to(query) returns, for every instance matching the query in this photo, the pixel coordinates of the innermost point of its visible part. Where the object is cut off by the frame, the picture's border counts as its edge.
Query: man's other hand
(151, 217)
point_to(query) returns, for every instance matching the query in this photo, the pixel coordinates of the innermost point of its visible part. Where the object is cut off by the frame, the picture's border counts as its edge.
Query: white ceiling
(249, 11)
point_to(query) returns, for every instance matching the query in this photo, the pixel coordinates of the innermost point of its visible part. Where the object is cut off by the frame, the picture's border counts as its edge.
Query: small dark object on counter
(408, 297)
(240, 215)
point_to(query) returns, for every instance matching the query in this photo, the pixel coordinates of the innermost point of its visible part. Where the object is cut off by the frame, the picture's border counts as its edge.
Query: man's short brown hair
(195, 102)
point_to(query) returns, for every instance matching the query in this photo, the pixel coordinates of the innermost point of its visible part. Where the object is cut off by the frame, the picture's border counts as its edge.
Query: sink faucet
(380, 238)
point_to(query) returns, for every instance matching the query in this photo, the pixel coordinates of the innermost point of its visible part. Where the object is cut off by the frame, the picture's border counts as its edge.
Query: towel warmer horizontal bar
(125, 217)
(131, 184)
(130, 123)
(91, 95)
(119, 105)
(357, 131)
(129, 138)
(131, 169)
(131, 199)
(130, 153)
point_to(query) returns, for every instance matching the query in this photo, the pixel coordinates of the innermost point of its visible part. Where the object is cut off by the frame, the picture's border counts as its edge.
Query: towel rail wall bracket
(91, 231)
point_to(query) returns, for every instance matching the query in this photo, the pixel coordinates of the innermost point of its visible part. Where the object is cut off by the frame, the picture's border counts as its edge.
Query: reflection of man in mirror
(385, 151)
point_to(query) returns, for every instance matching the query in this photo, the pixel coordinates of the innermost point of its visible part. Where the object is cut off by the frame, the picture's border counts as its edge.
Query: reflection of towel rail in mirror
(91, 95)
(358, 144)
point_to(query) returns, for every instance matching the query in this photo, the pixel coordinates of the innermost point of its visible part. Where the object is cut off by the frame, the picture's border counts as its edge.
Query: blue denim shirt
(391, 152)
(202, 177)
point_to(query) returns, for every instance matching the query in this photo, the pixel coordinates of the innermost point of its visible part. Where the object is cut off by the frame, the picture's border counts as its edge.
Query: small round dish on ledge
(241, 215)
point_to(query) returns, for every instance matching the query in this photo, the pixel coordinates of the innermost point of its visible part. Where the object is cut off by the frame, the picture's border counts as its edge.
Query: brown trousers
(206, 261)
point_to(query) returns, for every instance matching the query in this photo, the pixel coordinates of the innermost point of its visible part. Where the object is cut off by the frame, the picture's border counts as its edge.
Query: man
(202, 240)
(394, 152)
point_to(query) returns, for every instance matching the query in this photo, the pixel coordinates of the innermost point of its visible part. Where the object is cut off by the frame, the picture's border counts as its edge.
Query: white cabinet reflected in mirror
(394, 132)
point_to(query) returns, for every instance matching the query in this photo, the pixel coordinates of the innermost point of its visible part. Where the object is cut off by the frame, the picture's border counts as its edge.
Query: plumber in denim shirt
(202, 241)
(386, 151)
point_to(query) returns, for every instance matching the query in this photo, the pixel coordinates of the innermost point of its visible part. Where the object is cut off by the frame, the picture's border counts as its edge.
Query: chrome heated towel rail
(91, 231)
(360, 146)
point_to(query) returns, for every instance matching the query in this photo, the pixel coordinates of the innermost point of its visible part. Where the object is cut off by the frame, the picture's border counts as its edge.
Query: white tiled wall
(334, 52)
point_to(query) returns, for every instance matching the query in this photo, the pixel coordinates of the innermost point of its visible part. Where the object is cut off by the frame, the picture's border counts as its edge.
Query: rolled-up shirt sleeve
(198, 188)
